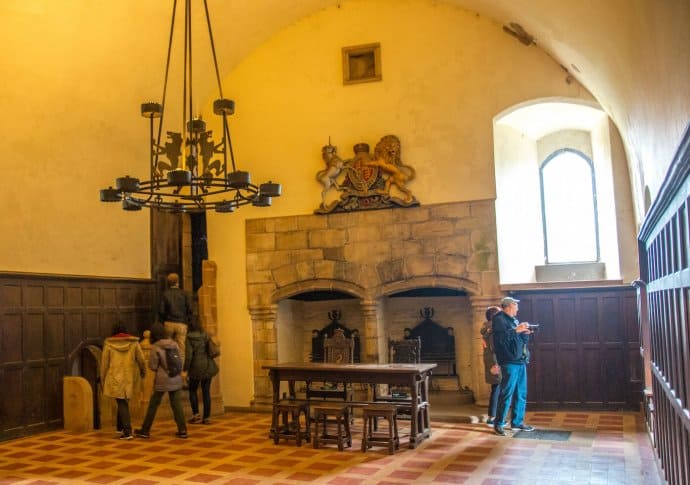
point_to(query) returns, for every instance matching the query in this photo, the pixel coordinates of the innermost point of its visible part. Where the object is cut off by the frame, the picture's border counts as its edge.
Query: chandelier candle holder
(189, 171)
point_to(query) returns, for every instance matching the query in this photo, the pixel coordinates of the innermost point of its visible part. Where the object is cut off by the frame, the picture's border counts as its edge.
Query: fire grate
(543, 434)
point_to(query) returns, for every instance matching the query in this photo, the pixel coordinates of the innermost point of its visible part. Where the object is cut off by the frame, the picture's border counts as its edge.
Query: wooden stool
(336, 414)
(369, 437)
(291, 428)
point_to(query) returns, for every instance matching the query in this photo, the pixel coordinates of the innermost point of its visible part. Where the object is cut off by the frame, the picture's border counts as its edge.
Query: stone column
(371, 337)
(481, 389)
(265, 343)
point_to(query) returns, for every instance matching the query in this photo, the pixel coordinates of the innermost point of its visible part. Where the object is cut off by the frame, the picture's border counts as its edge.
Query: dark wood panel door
(586, 350)
(166, 248)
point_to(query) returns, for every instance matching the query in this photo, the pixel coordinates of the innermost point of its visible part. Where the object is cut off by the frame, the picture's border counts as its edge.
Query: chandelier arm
(213, 49)
(146, 186)
(147, 197)
(176, 202)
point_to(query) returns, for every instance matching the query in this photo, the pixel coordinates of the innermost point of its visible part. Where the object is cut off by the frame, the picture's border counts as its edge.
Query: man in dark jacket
(175, 312)
(510, 347)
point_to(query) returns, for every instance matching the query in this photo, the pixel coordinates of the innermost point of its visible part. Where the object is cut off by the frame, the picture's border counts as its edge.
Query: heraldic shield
(365, 181)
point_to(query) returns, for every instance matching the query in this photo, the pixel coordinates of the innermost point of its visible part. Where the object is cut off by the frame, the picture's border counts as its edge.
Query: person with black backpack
(166, 362)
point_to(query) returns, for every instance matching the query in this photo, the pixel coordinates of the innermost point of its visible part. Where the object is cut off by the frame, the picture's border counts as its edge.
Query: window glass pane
(569, 211)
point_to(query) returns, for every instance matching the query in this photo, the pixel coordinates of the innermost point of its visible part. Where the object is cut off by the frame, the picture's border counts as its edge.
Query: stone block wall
(371, 255)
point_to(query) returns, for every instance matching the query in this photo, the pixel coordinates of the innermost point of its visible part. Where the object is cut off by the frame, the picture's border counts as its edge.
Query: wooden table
(413, 376)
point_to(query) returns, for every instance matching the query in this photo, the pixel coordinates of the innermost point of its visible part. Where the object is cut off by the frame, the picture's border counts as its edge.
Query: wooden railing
(664, 242)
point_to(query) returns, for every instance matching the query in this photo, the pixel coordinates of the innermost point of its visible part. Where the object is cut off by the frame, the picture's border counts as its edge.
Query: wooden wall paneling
(52, 411)
(632, 338)
(32, 336)
(592, 357)
(615, 364)
(12, 415)
(45, 319)
(54, 332)
(563, 326)
(33, 393)
(91, 325)
(74, 329)
(91, 297)
(34, 295)
(540, 310)
(581, 354)
(10, 344)
(73, 296)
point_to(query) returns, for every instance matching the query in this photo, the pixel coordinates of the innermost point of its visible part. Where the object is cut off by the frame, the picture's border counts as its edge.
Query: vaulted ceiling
(632, 55)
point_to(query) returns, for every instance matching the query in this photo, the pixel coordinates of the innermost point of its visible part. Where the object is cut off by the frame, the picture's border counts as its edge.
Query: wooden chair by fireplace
(407, 351)
(337, 350)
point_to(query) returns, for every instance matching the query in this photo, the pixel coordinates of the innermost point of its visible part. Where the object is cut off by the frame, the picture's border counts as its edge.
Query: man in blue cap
(510, 346)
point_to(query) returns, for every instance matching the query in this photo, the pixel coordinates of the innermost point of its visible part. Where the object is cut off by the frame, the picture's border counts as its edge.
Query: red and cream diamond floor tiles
(603, 449)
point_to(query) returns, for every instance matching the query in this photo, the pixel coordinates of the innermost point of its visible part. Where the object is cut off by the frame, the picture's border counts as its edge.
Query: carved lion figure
(387, 154)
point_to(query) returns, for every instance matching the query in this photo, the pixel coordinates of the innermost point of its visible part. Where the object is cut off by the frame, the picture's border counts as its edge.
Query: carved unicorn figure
(334, 166)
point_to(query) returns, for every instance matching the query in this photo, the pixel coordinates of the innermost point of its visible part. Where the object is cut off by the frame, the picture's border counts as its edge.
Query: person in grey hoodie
(163, 383)
(121, 370)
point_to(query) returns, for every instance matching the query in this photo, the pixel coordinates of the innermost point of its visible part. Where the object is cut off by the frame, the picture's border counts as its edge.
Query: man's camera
(532, 326)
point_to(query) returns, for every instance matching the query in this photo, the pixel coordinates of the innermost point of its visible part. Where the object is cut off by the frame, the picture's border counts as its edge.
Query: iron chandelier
(194, 175)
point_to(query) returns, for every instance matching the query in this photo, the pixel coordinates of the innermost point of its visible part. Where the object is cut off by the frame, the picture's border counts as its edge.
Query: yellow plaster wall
(446, 74)
(70, 78)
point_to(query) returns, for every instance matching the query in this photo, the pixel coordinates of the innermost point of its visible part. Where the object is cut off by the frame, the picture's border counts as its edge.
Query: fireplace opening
(440, 317)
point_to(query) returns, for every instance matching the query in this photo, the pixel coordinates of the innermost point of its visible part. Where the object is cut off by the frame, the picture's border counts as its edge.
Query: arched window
(569, 208)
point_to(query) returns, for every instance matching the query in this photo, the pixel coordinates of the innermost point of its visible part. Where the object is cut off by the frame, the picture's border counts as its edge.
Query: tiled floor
(603, 448)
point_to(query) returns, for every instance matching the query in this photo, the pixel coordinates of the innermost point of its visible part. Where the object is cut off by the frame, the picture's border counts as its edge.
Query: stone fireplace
(379, 270)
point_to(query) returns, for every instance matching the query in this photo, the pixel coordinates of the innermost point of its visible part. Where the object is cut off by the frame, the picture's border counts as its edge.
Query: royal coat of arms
(365, 181)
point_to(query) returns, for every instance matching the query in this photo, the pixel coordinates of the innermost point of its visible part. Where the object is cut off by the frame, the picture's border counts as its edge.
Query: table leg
(414, 408)
(426, 420)
(275, 381)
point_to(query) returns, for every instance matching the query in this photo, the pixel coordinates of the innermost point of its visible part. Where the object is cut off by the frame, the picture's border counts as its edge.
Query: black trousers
(124, 423)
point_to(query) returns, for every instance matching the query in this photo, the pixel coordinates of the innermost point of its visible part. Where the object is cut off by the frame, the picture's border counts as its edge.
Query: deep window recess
(569, 208)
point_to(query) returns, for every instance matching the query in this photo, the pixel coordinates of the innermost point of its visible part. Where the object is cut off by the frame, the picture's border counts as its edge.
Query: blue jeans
(513, 390)
(205, 396)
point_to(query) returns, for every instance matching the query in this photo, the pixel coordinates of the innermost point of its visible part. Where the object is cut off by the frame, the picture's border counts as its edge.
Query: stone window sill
(570, 272)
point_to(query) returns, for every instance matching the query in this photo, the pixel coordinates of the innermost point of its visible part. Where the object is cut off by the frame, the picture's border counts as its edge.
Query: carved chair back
(338, 349)
(407, 351)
